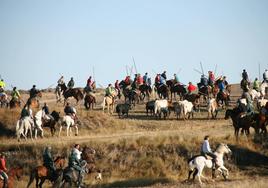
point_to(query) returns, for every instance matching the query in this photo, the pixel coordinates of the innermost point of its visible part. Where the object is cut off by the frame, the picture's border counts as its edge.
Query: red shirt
(191, 88)
(127, 80)
(139, 80)
(89, 82)
(3, 165)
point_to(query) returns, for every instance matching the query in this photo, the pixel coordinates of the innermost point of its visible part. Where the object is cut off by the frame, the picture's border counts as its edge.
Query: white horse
(200, 162)
(109, 101)
(255, 94)
(23, 127)
(38, 123)
(68, 121)
(263, 86)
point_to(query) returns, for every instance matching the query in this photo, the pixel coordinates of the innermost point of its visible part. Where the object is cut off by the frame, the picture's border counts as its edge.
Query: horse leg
(67, 129)
(60, 130)
(41, 182)
(33, 174)
(76, 130)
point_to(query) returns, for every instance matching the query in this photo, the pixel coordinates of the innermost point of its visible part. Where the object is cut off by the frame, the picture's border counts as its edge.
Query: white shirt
(77, 153)
(206, 147)
(265, 75)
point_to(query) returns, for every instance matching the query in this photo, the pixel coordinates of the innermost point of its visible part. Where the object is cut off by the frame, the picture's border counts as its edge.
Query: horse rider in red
(127, 80)
(117, 87)
(157, 80)
(3, 169)
(191, 88)
(211, 78)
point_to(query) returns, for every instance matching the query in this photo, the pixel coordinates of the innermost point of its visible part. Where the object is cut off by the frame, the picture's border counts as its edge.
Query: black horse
(145, 90)
(162, 91)
(52, 122)
(178, 89)
(240, 121)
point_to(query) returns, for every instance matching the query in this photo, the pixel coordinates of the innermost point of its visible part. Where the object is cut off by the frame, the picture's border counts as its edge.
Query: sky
(43, 39)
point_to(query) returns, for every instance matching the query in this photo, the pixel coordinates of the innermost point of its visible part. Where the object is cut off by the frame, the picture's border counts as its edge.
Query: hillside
(141, 151)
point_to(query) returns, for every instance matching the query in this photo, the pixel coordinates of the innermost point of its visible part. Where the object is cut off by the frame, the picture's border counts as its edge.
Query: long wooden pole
(135, 65)
(202, 67)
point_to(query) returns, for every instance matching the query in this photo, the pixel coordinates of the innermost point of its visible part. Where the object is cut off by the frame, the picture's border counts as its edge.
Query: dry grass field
(141, 151)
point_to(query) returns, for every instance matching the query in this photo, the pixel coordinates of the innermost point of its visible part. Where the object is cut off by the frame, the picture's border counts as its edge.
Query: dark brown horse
(52, 122)
(145, 90)
(89, 101)
(72, 92)
(261, 123)
(13, 173)
(14, 103)
(42, 173)
(178, 89)
(240, 121)
(163, 91)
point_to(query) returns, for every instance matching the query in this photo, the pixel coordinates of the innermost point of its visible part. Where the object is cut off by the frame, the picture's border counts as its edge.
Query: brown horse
(12, 174)
(262, 120)
(14, 103)
(89, 101)
(75, 92)
(34, 101)
(42, 173)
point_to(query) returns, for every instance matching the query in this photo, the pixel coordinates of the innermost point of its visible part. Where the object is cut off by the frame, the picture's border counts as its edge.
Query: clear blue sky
(41, 39)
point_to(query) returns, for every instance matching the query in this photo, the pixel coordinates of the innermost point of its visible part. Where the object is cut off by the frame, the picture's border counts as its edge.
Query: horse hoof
(76, 134)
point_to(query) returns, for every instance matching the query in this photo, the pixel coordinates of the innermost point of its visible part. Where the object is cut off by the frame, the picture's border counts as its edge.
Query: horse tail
(32, 176)
(103, 102)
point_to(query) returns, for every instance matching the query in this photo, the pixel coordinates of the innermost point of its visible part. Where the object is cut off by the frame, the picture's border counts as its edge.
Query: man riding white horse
(206, 150)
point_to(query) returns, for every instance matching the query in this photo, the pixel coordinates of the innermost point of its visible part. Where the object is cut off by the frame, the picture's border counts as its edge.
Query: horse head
(60, 162)
(223, 149)
(16, 172)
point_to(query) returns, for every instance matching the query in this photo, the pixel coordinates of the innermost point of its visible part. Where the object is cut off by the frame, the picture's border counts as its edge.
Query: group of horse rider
(74, 162)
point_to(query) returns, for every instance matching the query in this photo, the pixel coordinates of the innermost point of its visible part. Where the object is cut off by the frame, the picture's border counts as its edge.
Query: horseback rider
(176, 79)
(48, 162)
(245, 75)
(109, 91)
(139, 81)
(265, 76)
(221, 85)
(89, 82)
(117, 86)
(249, 106)
(61, 81)
(2, 86)
(206, 150)
(211, 78)
(15, 95)
(127, 80)
(162, 81)
(46, 114)
(164, 75)
(157, 80)
(191, 88)
(71, 83)
(3, 169)
(33, 92)
(75, 163)
(203, 81)
(145, 78)
(70, 111)
(264, 110)
(256, 84)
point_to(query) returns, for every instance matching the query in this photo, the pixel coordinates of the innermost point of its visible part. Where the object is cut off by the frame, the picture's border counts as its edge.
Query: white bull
(161, 106)
(212, 108)
(187, 108)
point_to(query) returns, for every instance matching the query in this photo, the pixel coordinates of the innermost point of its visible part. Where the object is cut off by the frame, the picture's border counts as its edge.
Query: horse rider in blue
(145, 78)
(162, 81)
(48, 162)
(75, 163)
(206, 150)
(164, 75)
